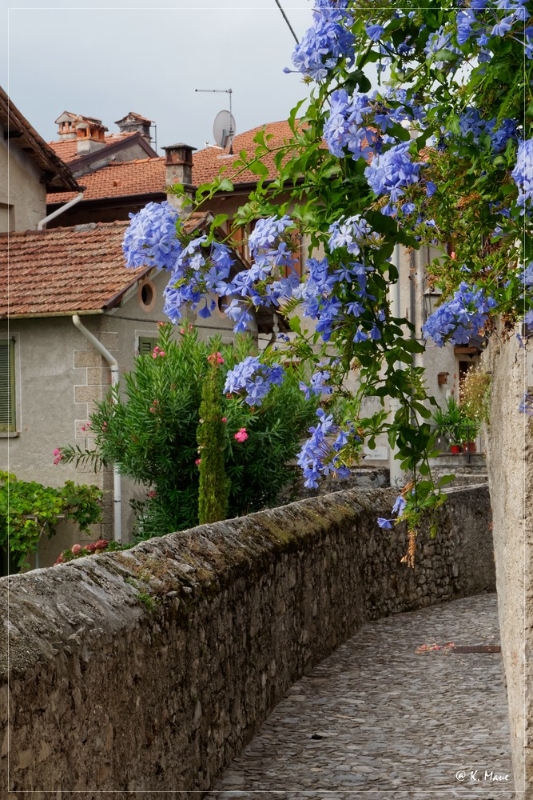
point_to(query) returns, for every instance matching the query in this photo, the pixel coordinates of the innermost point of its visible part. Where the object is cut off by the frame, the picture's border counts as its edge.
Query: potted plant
(450, 424)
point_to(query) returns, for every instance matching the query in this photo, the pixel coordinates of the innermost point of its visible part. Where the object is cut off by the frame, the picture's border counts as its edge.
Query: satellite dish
(224, 128)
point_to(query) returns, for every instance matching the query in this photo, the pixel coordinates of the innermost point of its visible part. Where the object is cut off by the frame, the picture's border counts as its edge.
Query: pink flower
(241, 435)
(90, 548)
(76, 548)
(215, 358)
(198, 462)
(86, 426)
(162, 353)
(59, 559)
(152, 493)
(155, 352)
(58, 455)
(101, 544)
(224, 419)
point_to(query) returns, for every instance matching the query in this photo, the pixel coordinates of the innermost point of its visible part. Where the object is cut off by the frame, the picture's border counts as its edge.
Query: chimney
(66, 129)
(90, 135)
(134, 123)
(178, 169)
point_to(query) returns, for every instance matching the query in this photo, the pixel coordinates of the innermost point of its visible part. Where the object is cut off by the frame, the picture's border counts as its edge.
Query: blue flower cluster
(318, 384)
(201, 268)
(461, 317)
(391, 173)
(474, 23)
(326, 41)
(151, 237)
(255, 378)
(319, 455)
(523, 172)
(472, 124)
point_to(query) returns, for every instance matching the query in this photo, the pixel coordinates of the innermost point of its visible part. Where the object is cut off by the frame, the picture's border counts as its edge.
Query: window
(7, 385)
(146, 344)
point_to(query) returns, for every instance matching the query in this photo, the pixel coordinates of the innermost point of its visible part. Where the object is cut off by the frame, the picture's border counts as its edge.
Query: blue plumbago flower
(503, 26)
(522, 174)
(318, 455)
(399, 505)
(200, 268)
(255, 378)
(465, 23)
(500, 136)
(386, 524)
(326, 41)
(526, 276)
(240, 315)
(374, 32)
(318, 385)
(461, 317)
(352, 233)
(528, 318)
(390, 173)
(150, 239)
(526, 406)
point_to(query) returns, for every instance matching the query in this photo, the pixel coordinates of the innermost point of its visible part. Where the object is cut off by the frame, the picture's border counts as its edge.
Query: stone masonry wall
(510, 472)
(149, 669)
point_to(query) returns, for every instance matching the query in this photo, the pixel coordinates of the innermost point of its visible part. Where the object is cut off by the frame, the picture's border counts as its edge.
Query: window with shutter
(7, 385)
(146, 344)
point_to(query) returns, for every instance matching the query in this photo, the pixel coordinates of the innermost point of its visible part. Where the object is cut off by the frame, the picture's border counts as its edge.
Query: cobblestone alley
(382, 717)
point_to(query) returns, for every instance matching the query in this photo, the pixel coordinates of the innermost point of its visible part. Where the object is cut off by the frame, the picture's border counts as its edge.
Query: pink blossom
(215, 358)
(86, 426)
(59, 559)
(76, 548)
(58, 455)
(198, 462)
(90, 548)
(152, 493)
(224, 419)
(101, 544)
(241, 435)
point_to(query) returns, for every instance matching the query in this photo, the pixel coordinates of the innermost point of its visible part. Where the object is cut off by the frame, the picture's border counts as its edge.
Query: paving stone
(389, 722)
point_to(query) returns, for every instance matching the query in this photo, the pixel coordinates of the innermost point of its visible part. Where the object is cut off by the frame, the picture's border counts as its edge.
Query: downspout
(60, 210)
(113, 365)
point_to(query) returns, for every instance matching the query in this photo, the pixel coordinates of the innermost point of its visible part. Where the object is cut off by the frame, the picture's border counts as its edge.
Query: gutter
(113, 365)
(58, 211)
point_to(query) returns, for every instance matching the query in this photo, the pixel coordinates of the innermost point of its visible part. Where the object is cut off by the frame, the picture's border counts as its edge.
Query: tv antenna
(224, 124)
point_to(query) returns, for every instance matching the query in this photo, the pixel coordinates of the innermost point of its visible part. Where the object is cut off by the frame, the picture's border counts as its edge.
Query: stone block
(86, 394)
(87, 358)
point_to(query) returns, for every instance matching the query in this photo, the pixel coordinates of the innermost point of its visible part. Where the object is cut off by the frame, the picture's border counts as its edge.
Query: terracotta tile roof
(67, 149)
(208, 163)
(147, 176)
(62, 271)
(143, 176)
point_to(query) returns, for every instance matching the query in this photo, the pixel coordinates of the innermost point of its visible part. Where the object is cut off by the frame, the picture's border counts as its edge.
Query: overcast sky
(122, 56)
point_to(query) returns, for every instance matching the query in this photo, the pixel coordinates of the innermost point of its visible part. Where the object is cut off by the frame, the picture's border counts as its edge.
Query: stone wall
(510, 471)
(149, 669)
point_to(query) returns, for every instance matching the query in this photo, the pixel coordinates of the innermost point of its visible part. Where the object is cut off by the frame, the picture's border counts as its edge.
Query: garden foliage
(438, 151)
(29, 509)
(150, 426)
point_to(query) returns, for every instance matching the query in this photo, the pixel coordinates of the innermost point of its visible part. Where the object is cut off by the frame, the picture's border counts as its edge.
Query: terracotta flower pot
(469, 447)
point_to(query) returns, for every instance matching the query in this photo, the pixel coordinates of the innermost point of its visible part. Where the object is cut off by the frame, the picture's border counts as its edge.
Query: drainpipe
(396, 472)
(58, 211)
(113, 365)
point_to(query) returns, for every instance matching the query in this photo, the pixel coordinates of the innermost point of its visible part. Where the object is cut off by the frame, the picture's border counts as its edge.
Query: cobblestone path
(378, 718)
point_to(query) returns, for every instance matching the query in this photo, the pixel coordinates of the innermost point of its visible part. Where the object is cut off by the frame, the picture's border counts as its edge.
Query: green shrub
(149, 427)
(29, 509)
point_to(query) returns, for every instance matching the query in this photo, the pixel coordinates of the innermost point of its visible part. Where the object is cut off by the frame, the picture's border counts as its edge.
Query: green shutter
(7, 385)
(146, 344)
